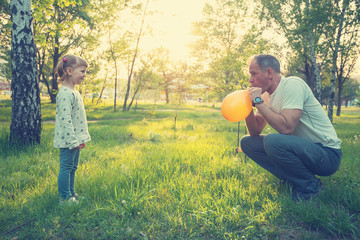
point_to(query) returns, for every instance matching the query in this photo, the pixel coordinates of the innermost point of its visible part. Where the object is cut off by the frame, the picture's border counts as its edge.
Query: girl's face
(76, 74)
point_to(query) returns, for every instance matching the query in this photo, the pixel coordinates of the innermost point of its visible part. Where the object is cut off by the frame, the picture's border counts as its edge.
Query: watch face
(258, 100)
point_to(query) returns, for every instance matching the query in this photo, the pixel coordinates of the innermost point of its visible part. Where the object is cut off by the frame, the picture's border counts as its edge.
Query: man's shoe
(304, 196)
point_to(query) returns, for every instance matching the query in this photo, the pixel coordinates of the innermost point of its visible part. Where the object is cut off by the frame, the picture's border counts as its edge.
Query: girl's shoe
(78, 197)
(69, 201)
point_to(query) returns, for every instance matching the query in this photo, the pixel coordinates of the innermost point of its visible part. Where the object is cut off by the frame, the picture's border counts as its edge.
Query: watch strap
(257, 100)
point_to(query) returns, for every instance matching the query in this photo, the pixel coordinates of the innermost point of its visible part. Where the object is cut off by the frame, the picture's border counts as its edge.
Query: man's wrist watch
(257, 100)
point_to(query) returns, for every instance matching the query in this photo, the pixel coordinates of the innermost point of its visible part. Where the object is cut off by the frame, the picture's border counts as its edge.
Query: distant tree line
(323, 38)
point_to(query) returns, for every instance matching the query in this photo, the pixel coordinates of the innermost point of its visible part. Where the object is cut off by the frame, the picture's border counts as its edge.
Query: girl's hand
(75, 148)
(81, 146)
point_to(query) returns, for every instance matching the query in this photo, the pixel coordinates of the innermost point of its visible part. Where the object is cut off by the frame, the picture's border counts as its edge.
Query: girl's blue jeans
(69, 160)
(292, 158)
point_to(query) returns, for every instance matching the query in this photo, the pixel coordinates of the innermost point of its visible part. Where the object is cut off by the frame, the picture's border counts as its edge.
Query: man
(306, 144)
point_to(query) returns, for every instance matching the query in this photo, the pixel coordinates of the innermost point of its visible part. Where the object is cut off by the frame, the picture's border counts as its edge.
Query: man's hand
(255, 123)
(254, 92)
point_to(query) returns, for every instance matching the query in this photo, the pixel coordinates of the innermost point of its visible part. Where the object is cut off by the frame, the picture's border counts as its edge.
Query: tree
(25, 125)
(5, 39)
(134, 58)
(115, 38)
(346, 66)
(60, 25)
(313, 27)
(165, 68)
(343, 32)
(181, 84)
(5, 64)
(5, 24)
(104, 84)
(303, 23)
(350, 91)
(114, 59)
(141, 81)
(225, 45)
(145, 77)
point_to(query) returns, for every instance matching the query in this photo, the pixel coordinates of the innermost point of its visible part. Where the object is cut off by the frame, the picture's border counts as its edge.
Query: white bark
(316, 67)
(26, 113)
(334, 62)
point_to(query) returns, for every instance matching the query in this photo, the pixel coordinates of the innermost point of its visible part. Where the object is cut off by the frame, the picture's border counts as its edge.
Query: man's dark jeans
(293, 159)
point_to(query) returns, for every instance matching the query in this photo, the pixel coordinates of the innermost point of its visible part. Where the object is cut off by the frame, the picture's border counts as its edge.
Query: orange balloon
(236, 106)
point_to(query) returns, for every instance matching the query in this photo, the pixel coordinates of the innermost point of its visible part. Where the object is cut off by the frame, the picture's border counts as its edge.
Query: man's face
(258, 78)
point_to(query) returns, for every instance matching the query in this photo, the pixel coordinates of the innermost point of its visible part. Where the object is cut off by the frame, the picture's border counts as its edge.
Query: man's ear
(269, 73)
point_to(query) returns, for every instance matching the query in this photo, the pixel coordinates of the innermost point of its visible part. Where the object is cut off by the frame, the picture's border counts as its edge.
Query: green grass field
(145, 176)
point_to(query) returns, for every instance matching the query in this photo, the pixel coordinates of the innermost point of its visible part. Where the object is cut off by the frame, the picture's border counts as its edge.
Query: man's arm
(284, 122)
(255, 124)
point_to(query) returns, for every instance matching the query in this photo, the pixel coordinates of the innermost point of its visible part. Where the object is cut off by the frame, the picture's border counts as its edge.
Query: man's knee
(274, 142)
(250, 144)
(247, 145)
(244, 139)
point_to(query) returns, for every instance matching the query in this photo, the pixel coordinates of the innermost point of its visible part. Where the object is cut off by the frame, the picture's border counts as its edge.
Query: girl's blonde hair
(70, 61)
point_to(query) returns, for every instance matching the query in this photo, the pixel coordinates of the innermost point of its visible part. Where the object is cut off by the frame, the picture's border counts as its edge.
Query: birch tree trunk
(334, 61)
(25, 125)
(316, 68)
(339, 100)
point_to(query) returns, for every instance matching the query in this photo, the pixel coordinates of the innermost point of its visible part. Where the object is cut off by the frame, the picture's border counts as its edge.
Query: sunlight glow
(171, 25)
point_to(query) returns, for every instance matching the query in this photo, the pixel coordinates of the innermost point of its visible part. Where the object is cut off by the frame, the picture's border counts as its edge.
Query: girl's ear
(68, 71)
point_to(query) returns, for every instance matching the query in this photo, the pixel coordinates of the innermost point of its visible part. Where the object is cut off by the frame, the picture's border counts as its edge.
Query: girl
(71, 131)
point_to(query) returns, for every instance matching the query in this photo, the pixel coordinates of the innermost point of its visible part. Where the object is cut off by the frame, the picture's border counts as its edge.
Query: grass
(143, 177)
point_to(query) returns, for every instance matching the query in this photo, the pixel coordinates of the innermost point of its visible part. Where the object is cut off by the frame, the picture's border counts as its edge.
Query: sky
(172, 25)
